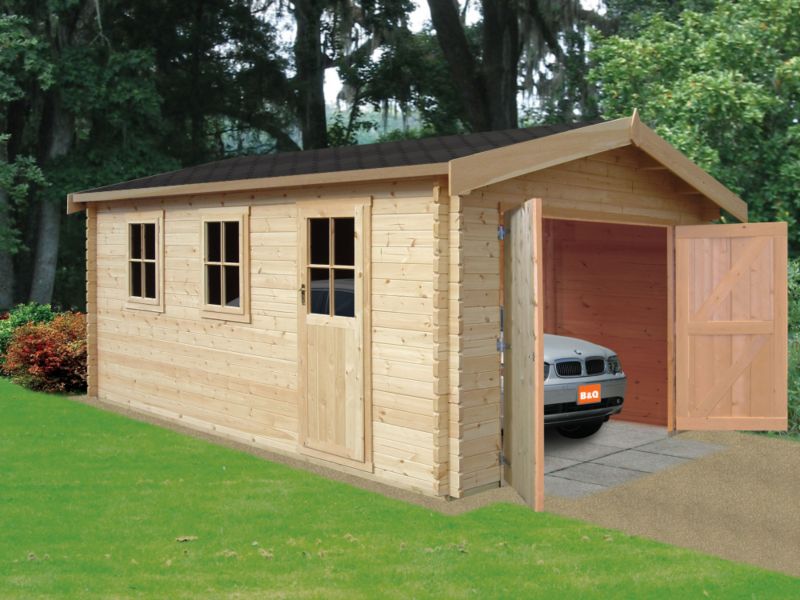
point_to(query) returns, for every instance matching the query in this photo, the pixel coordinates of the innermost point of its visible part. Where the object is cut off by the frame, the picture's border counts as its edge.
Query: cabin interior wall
(607, 283)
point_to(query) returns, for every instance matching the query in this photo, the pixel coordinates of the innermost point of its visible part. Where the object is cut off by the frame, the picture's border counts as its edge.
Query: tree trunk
(461, 63)
(6, 260)
(60, 133)
(501, 55)
(65, 30)
(310, 77)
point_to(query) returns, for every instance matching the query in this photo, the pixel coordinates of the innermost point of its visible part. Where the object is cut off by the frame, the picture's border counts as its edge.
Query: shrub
(794, 295)
(794, 346)
(21, 315)
(49, 356)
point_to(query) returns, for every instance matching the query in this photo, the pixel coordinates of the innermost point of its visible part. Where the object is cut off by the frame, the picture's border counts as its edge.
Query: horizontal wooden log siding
(406, 403)
(239, 380)
(474, 329)
(608, 284)
(624, 186)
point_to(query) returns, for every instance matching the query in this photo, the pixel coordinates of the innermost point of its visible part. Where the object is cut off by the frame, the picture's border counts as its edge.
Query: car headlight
(614, 365)
(546, 370)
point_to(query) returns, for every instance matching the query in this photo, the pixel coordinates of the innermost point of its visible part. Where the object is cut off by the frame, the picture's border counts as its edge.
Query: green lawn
(91, 504)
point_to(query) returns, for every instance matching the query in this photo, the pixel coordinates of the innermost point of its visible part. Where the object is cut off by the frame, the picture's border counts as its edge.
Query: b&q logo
(589, 394)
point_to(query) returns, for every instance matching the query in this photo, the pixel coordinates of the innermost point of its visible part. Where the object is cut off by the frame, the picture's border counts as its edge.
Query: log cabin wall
(239, 380)
(607, 283)
(474, 329)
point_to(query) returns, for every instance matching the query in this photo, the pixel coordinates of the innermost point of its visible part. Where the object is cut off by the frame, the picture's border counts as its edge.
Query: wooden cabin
(343, 305)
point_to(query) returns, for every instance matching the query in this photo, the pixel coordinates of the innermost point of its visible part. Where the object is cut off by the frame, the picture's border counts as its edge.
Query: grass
(91, 504)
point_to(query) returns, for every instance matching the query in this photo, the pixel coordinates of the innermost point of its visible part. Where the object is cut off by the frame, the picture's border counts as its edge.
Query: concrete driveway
(618, 453)
(738, 497)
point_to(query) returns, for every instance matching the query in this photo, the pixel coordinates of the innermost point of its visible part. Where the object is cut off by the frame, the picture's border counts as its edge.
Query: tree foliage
(723, 86)
(94, 92)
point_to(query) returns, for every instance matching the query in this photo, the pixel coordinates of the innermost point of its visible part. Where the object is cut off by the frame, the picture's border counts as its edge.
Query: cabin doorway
(332, 328)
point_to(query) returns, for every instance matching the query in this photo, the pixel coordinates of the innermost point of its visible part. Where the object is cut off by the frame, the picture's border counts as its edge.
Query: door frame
(361, 209)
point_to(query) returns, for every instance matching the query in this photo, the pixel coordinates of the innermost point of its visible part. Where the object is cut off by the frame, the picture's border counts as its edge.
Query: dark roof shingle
(346, 158)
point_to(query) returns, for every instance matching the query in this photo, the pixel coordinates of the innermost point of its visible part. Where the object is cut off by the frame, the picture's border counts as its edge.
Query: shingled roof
(347, 158)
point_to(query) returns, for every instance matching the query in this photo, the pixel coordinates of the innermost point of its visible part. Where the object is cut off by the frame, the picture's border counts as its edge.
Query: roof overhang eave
(78, 201)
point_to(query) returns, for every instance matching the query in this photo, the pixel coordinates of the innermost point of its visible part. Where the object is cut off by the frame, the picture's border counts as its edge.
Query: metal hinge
(504, 461)
(501, 232)
(501, 345)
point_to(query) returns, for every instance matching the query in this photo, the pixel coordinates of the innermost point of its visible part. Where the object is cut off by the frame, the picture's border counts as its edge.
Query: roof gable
(492, 166)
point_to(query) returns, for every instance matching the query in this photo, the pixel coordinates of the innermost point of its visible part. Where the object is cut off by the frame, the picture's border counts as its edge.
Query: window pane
(232, 241)
(149, 280)
(136, 240)
(213, 241)
(136, 279)
(344, 293)
(213, 285)
(232, 286)
(319, 241)
(150, 240)
(345, 241)
(320, 292)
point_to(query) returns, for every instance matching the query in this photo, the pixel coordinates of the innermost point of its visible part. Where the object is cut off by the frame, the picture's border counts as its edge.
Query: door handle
(303, 294)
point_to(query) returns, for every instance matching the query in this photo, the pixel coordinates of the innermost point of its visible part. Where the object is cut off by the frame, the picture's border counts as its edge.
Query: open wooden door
(731, 327)
(523, 393)
(333, 326)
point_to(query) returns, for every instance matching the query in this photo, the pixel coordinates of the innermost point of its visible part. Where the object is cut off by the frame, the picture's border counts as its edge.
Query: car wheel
(576, 431)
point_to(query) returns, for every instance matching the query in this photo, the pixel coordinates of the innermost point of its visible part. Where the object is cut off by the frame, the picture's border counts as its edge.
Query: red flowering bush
(49, 356)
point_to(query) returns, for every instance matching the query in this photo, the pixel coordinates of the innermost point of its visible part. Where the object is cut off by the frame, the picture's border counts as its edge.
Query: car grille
(595, 366)
(569, 368)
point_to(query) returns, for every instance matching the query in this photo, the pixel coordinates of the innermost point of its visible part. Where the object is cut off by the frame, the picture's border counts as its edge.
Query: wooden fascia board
(649, 142)
(77, 201)
(492, 166)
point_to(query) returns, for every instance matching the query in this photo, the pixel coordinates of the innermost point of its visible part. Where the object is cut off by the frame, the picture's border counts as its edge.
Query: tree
(513, 37)
(724, 87)
(23, 62)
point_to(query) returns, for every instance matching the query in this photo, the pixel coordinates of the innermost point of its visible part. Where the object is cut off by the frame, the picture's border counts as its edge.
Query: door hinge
(501, 345)
(504, 462)
(501, 232)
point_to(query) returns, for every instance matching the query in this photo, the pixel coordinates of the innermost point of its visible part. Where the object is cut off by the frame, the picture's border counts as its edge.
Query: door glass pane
(231, 286)
(213, 285)
(136, 279)
(319, 241)
(232, 241)
(319, 295)
(345, 242)
(213, 241)
(149, 280)
(344, 293)
(150, 240)
(136, 240)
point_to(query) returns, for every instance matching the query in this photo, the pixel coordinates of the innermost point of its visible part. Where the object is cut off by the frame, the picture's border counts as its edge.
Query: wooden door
(333, 325)
(731, 329)
(523, 378)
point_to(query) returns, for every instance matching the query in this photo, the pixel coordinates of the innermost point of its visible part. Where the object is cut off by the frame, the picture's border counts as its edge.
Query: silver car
(583, 385)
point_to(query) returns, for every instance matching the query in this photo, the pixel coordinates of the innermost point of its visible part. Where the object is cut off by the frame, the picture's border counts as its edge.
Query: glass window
(142, 267)
(223, 263)
(331, 271)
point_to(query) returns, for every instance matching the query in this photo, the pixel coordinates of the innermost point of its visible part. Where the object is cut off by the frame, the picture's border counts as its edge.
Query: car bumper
(560, 400)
